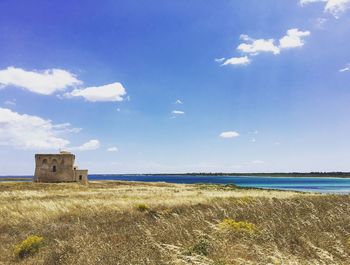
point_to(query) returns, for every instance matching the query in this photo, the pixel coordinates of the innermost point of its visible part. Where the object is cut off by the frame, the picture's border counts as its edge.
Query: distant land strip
(256, 174)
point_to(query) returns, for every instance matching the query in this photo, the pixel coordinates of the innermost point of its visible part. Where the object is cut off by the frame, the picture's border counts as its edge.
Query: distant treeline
(275, 174)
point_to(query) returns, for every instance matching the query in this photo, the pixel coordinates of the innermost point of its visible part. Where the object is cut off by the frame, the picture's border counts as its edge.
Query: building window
(44, 161)
(80, 177)
(53, 168)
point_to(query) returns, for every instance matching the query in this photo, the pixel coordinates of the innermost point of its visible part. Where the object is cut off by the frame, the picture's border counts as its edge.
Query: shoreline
(219, 186)
(267, 175)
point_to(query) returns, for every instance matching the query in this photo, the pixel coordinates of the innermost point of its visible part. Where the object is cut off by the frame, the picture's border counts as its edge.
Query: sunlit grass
(40, 202)
(240, 226)
(157, 223)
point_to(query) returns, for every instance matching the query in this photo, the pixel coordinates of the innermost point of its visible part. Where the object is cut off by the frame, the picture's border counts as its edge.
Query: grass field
(156, 223)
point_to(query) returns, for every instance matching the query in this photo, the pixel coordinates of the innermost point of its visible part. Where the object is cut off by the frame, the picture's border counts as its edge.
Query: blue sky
(176, 86)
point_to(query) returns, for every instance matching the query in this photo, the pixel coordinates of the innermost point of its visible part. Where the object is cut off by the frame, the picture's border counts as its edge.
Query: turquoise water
(313, 184)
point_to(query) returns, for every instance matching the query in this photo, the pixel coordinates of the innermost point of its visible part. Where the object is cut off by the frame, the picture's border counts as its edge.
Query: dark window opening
(54, 169)
(80, 177)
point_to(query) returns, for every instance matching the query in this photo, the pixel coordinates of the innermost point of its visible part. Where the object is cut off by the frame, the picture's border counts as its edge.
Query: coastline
(272, 175)
(330, 185)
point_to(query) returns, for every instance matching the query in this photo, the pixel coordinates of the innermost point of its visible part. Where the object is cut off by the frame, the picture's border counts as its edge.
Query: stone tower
(58, 168)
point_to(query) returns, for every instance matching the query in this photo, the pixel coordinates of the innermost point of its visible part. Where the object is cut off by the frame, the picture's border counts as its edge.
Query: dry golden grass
(158, 223)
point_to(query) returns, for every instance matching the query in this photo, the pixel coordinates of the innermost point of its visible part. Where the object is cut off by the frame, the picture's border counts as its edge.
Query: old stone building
(58, 168)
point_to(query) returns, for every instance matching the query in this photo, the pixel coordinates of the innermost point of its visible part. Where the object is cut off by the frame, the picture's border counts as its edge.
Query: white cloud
(219, 60)
(257, 46)
(88, 146)
(42, 82)
(110, 92)
(112, 149)
(28, 132)
(179, 101)
(178, 112)
(253, 140)
(335, 7)
(25, 131)
(251, 47)
(345, 69)
(293, 39)
(237, 61)
(229, 134)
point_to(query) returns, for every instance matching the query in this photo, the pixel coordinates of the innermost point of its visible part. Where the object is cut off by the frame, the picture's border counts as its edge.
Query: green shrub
(142, 207)
(29, 246)
(242, 226)
(202, 247)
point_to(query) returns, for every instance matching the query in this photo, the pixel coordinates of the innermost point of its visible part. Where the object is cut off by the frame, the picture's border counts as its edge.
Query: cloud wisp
(229, 134)
(66, 128)
(345, 69)
(10, 102)
(219, 60)
(44, 82)
(112, 149)
(178, 112)
(237, 61)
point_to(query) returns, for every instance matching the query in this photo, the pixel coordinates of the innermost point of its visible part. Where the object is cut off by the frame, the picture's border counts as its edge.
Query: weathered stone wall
(54, 167)
(81, 175)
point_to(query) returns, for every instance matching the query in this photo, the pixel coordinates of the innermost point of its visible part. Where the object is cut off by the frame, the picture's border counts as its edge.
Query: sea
(304, 184)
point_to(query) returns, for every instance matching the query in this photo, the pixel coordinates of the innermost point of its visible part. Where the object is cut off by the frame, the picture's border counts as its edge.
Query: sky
(176, 86)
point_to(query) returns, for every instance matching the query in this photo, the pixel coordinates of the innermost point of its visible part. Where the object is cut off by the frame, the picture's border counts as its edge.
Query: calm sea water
(315, 184)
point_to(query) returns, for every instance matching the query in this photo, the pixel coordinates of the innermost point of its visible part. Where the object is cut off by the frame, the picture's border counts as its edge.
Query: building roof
(60, 154)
